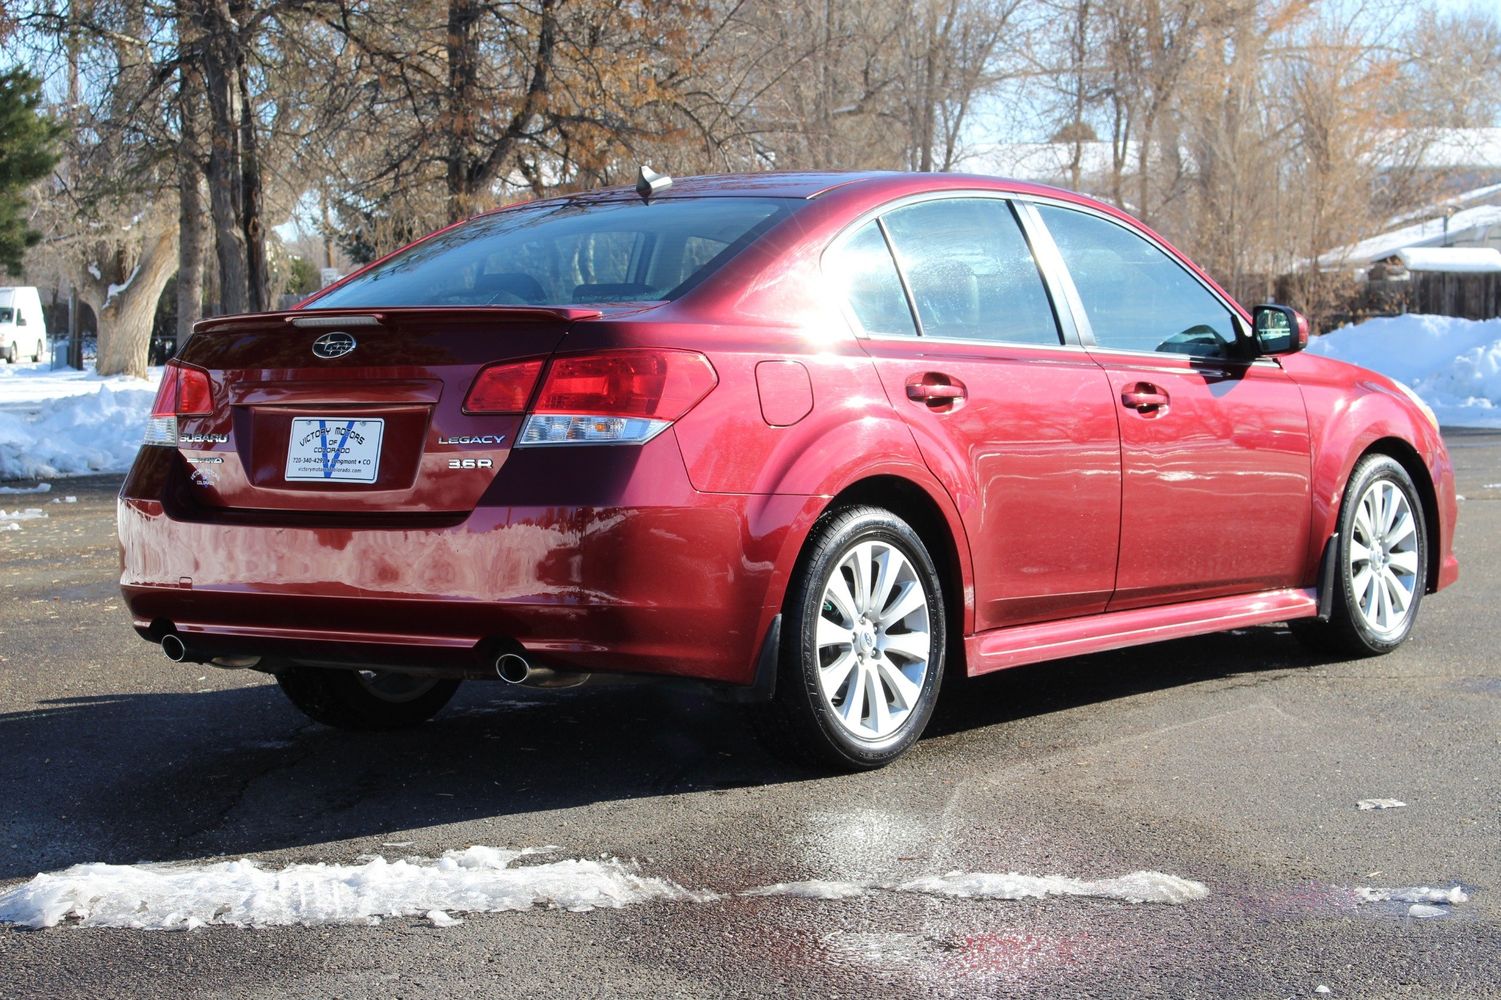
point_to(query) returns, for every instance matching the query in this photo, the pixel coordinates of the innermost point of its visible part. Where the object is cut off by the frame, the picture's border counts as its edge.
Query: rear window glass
(568, 254)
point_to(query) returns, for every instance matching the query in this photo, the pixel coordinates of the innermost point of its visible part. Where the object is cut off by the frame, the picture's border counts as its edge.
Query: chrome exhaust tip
(512, 668)
(175, 649)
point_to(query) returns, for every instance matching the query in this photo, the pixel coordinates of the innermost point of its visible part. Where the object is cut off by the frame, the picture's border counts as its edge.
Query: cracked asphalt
(1235, 759)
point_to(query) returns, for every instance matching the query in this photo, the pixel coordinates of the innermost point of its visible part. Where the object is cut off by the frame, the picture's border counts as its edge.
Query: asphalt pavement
(1235, 760)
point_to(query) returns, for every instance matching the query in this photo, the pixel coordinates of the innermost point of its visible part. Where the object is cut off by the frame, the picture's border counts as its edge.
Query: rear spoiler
(314, 319)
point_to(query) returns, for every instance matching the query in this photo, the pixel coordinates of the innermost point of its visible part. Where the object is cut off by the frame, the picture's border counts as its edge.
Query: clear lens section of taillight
(184, 392)
(503, 388)
(616, 397)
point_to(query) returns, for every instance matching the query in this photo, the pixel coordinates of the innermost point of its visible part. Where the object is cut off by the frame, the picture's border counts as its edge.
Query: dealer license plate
(335, 449)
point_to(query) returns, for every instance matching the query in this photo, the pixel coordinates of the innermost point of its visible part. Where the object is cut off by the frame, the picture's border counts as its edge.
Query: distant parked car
(812, 439)
(23, 328)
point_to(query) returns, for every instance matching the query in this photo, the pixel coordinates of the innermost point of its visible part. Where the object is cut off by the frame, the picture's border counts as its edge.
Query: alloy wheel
(873, 640)
(1382, 559)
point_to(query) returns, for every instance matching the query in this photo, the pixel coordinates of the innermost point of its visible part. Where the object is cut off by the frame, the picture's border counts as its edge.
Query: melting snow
(38, 488)
(1414, 894)
(477, 880)
(1137, 887)
(1381, 804)
(1426, 910)
(29, 514)
(241, 893)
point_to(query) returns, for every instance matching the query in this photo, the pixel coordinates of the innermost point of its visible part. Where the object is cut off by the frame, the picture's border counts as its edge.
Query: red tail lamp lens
(195, 396)
(165, 404)
(184, 392)
(657, 385)
(503, 388)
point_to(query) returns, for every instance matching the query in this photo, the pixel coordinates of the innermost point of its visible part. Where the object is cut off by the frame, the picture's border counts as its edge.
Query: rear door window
(971, 272)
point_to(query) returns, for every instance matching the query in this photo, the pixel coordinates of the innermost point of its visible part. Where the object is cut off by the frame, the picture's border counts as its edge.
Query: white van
(23, 331)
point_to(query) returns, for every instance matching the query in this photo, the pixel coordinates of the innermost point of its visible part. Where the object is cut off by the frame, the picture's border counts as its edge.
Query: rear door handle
(925, 389)
(1143, 397)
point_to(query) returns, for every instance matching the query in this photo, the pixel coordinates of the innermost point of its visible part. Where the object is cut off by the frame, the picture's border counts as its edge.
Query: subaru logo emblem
(333, 345)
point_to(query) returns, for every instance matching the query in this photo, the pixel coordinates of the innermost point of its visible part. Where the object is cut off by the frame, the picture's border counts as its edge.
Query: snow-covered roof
(1470, 223)
(1452, 260)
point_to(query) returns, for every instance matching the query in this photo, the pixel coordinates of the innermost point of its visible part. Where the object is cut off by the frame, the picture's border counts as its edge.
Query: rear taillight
(503, 388)
(184, 392)
(616, 397)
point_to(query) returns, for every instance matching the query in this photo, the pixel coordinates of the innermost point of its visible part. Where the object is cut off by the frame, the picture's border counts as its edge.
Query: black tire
(10, 354)
(38, 355)
(365, 700)
(802, 722)
(1355, 628)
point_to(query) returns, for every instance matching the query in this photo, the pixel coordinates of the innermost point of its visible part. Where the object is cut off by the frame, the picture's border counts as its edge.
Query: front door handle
(1144, 397)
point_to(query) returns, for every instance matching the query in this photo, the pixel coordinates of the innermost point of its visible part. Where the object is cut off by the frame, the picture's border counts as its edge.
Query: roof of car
(807, 185)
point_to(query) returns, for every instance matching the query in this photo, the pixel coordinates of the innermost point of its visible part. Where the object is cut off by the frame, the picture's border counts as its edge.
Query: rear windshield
(586, 253)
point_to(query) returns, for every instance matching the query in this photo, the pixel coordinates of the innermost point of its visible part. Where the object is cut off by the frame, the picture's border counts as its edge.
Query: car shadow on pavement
(169, 776)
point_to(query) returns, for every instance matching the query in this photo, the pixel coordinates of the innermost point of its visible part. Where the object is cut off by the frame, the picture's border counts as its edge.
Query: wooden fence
(1472, 296)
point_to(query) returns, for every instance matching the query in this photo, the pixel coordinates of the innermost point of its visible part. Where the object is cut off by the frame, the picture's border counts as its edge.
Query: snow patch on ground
(1137, 887)
(1454, 364)
(29, 514)
(477, 880)
(242, 894)
(1366, 804)
(70, 423)
(1413, 894)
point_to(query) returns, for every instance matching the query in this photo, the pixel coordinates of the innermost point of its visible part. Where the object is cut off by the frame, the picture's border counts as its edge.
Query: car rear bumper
(666, 581)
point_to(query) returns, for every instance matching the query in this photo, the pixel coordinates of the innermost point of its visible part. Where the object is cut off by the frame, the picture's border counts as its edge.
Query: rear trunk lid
(358, 412)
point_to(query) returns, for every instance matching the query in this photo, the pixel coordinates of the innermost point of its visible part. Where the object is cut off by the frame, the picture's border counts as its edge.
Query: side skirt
(999, 648)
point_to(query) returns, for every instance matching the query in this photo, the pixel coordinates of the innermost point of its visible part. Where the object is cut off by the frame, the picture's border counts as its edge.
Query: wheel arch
(1405, 455)
(939, 530)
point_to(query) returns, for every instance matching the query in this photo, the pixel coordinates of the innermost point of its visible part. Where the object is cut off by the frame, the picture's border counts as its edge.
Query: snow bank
(1454, 364)
(69, 423)
(242, 894)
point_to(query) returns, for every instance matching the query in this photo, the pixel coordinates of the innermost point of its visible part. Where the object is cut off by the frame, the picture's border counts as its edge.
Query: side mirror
(1279, 330)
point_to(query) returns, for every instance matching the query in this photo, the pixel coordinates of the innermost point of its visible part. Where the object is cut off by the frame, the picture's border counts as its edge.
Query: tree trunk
(217, 51)
(461, 44)
(258, 269)
(190, 210)
(125, 317)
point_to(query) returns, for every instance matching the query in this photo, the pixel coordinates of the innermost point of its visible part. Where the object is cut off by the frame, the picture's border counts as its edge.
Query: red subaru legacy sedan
(813, 439)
